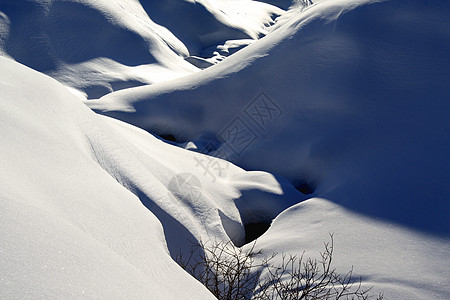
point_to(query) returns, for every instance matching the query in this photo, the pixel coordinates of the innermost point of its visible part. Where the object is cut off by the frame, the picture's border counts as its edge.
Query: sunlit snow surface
(347, 101)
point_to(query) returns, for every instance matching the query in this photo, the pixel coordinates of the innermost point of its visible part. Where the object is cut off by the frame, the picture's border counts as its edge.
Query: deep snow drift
(345, 100)
(71, 185)
(101, 46)
(356, 99)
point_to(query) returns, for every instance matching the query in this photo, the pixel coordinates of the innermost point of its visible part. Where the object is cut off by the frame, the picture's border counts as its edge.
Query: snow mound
(93, 46)
(97, 47)
(345, 100)
(90, 206)
(348, 100)
(353, 94)
(68, 229)
(215, 21)
(396, 261)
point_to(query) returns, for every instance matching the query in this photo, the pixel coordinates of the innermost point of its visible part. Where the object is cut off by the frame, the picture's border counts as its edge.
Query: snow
(73, 185)
(80, 43)
(98, 47)
(399, 262)
(346, 101)
(345, 116)
(68, 229)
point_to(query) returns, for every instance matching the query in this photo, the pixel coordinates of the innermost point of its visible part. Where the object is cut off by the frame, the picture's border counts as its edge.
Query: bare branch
(231, 273)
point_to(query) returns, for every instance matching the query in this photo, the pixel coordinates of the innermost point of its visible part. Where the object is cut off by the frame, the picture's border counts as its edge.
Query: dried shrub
(231, 273)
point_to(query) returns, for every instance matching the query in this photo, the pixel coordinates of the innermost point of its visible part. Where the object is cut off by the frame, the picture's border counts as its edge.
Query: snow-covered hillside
(334, 118)
(101, 46)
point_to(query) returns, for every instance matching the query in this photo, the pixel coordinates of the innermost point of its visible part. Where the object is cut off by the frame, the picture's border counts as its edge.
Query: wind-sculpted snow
(395, 261)
(98, 47)
(355, 99)
(90, 45)
(72, 188)
(205, 23)
(345, 100)
(67, 229)
(348, 99)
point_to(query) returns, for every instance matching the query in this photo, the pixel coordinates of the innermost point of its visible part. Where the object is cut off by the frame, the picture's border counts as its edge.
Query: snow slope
(72, 188)
(399, 262)
(346, 100)
(357, 103)
(81, 43)
(97, 47)
(68, 230)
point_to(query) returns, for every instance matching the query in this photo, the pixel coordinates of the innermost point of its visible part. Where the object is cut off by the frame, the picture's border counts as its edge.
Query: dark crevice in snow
(255, 230)
(304, 187)
(168, 137)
